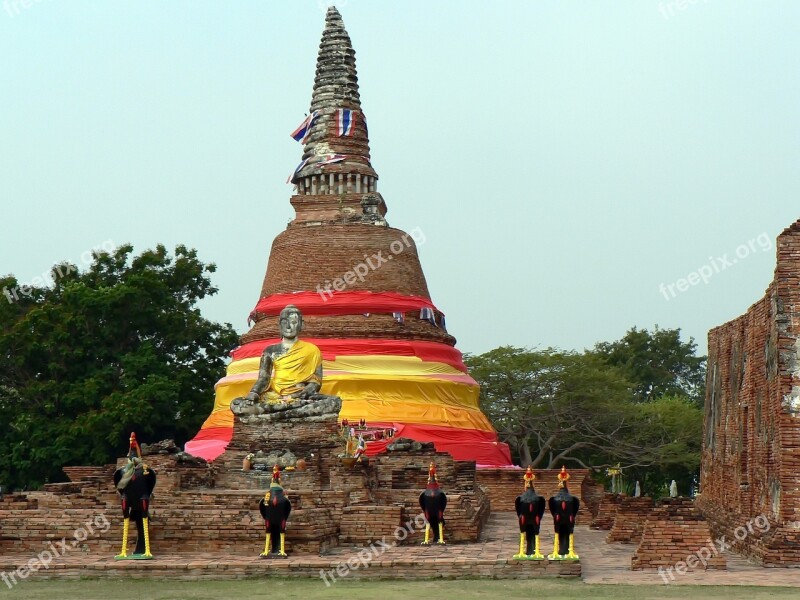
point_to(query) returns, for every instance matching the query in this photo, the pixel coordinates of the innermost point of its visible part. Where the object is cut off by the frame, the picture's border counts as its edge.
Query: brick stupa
(360, 286)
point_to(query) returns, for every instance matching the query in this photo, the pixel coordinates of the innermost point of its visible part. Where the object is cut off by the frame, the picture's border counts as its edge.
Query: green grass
(311, 589)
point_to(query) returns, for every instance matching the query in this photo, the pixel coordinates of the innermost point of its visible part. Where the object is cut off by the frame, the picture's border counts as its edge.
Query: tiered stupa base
(206, 516)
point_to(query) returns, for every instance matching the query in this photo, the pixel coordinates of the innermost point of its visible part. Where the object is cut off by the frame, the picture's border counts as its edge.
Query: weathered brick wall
(304, 258)
(760, 538)
(334, 250)
(751, 442)
(673, 533)
(607, 511)
(629, 520)
(367, 523)
(592, 494)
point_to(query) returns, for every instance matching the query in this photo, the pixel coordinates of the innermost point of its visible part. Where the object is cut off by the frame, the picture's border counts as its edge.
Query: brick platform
(607, 511)
(490, 557)
(630, 518)
(676, 532)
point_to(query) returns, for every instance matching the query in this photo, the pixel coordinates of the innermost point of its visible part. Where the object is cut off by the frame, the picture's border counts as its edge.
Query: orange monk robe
(293, 370)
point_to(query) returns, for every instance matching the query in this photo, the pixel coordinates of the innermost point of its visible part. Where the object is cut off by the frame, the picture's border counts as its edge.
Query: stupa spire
(360, 286)
(336, 156)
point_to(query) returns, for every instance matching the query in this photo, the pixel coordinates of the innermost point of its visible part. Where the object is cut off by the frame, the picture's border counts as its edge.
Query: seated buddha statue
(291, 369)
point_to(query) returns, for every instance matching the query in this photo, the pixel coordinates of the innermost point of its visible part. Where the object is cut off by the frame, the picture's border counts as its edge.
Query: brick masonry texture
(673, 532)
(629, 520)
(751, 442)
(607, 511)
(212, 508)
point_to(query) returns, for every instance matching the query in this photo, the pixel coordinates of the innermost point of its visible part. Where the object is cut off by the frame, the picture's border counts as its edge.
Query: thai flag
(345, 119)
(297, 170)
(301, 133)
(331, 158)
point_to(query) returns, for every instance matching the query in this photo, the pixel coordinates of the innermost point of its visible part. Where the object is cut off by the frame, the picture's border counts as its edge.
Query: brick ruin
(631, 514)
(751, 444)
(212, 507)
(606, 511)
(674, 532)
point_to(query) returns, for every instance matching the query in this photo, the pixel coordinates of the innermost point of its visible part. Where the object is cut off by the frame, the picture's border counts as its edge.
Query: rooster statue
(564, 507)
(134, 483)
(530, 508)
(275, 508)
(433, 501)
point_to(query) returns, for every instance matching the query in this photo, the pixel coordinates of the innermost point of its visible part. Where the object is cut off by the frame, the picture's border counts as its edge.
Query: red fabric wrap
(341, 303)
(333, 347)
(462, 444)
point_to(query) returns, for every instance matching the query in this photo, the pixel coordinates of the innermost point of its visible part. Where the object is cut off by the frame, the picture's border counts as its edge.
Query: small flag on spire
(427, 314)
(297, 170)
(301, 133)
(329, 159)
(345, 119)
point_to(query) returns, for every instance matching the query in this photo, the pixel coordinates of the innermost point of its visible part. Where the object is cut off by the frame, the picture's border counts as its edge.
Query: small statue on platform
(275, 508)
(530, 508)
(361, 448)
(134, 483)
(433, 501)
(564, 508)
(289, 370)
(370, 205)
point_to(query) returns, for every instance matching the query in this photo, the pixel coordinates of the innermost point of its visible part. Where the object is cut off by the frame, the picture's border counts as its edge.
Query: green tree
(673, 427)
(117, 348)
(551, 406)
(658, 363)
(555, 407)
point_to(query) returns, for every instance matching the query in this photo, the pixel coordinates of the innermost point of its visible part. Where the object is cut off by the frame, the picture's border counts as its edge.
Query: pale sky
(563, 158)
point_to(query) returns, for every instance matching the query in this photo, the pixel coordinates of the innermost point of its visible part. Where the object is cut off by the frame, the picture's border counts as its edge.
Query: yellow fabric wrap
(381, 388)
(373, 365)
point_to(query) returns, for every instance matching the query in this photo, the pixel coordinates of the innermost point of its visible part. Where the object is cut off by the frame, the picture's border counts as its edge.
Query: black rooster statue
(530, 508)
(564, 507)
(275, 508)
(433, 501)
(135, 482)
